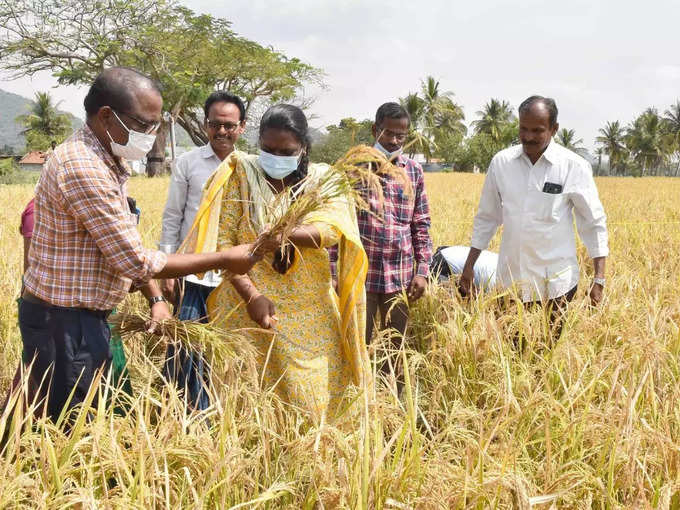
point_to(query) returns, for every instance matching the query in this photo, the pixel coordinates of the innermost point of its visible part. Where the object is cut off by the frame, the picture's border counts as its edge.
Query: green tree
(649, 143)
(348, 133)
(599, 152)
(434, 117)
(494, 116)
(672, 121)
(44, 124)
(567, 139)
(189, 54)
(478, 150)
(612, 140)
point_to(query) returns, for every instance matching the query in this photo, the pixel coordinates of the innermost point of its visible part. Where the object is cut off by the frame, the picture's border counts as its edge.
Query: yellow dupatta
(352, 261)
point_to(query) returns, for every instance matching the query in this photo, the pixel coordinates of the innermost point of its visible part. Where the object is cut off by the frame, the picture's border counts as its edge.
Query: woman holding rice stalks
(311, 344)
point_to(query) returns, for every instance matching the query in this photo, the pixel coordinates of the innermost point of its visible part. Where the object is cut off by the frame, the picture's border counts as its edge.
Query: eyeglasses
(229, 127)
(146, 127)
(392, 134)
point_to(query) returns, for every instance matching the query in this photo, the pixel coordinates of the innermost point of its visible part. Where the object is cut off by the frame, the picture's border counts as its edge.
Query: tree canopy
(44, 124)
(189, 54)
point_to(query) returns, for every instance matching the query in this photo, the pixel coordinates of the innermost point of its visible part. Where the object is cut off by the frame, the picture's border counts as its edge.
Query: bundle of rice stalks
(353, 178)
(312, 194)
(218, 346)
(366, 167)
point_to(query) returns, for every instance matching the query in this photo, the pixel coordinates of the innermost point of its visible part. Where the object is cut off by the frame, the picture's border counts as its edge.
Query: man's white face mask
(387, 153)
(137, 146)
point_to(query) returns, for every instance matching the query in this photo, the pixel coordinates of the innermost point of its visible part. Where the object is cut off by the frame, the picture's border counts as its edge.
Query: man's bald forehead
(117, 87)
(129, 78)
(540, 104)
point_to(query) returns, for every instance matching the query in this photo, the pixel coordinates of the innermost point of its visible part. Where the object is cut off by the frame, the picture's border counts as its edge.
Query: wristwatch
(599, 281)
(157, 299)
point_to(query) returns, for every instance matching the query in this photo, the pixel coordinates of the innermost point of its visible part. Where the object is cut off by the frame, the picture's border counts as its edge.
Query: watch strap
(157, 299)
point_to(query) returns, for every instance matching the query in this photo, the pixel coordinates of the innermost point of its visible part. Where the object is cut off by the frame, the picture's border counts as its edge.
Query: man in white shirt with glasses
(536, 190)
(224, 123)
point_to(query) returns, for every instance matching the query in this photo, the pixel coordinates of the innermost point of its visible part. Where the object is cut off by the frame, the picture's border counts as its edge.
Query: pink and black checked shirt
(398, 245)
(85, 250)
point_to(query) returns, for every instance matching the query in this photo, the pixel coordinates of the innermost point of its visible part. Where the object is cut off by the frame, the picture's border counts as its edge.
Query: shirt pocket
(548, 206)
(398, 205)
(397, 239)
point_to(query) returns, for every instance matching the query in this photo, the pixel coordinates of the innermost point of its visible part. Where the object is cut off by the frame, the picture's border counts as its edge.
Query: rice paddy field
(593, 422)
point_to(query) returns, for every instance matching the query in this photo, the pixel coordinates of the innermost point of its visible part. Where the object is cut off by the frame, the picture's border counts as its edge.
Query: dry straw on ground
(592, 423)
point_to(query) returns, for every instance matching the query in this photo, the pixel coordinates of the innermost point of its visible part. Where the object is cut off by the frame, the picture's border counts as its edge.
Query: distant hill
(11, 106)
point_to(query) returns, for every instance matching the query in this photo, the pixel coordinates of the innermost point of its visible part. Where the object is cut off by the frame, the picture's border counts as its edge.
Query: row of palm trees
(650, 145)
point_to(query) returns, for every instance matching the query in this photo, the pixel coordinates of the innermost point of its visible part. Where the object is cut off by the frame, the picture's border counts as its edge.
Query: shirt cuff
(423, 269)
(168, 248)
(156, 262)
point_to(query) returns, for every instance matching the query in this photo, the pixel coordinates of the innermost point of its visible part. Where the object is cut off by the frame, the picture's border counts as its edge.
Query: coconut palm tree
(567, 138)
(44, 123)
(493, 117)
(433, 113)
(648, 141)
(598, 152)
(414, 106)
(439, 110)
(612, 140)
(672, 121)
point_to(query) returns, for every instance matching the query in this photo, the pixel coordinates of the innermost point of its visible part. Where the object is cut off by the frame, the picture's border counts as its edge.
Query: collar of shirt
(401, 160)
(208, 152)
(550, 154)
(120, 168)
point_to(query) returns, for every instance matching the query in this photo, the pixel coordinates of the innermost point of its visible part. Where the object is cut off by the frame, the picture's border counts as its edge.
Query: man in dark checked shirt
(397, 242)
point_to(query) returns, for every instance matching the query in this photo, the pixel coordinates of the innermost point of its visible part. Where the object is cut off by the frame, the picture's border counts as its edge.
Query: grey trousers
(392, 316)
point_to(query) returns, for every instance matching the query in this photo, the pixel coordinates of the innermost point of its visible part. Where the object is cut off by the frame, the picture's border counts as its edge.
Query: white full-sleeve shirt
(538, 247)
(189, 174)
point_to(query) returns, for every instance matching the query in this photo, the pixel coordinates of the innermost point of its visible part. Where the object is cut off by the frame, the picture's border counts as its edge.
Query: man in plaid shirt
(86, 253)
(397, 241)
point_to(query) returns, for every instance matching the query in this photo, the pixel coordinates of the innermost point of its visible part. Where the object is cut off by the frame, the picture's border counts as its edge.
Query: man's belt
(30, 298)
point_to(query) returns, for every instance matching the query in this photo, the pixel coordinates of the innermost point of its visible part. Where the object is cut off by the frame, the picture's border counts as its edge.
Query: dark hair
(548, 102)
(391, 111)
(223, 96)
(291, 118)
(116, 87)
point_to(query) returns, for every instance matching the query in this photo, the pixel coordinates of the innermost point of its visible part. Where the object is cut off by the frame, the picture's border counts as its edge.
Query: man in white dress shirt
(224, 123)
(536, 190)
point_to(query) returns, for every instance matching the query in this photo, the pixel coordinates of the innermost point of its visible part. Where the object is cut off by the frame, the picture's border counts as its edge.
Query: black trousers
(67, 347)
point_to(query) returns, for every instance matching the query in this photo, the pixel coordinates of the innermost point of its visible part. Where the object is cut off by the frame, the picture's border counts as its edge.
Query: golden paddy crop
(592, 423)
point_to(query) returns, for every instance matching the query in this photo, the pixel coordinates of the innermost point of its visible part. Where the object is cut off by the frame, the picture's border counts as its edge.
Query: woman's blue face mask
(278, 167)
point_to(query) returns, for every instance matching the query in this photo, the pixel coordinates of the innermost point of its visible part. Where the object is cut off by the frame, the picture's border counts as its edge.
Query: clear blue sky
(600, 60)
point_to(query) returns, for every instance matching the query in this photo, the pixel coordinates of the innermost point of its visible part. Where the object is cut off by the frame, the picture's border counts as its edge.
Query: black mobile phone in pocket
(552, 188)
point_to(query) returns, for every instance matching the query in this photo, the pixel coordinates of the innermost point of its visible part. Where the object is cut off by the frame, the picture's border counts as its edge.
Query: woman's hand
(262, 311)
(266, 243)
